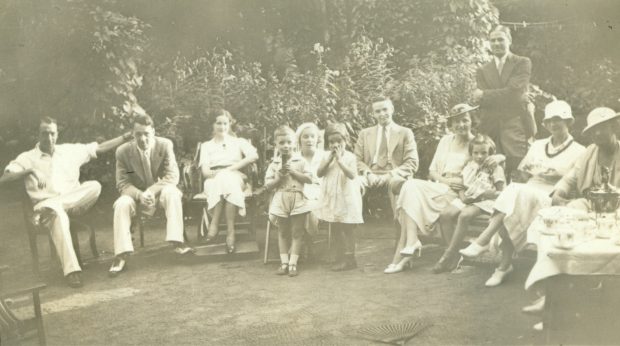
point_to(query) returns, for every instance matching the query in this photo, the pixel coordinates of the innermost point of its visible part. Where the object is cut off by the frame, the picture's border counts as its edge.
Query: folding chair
(11, 327)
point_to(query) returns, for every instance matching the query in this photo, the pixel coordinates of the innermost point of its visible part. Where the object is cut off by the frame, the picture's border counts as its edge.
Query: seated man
(598, 165)
(146, 175)
(386, 153)
(52, 174)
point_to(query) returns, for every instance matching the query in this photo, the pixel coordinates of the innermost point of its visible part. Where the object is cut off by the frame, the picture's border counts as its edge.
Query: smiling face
(461, 125)
(144, 135)
(500, 43)
(284, 143)
(382, 111)
(221, 126)
(556, 126)
(308, 139)
(48, 134)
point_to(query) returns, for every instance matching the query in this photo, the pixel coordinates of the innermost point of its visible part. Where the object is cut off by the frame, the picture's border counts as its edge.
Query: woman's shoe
(474, 250)
(410, 250)
(399, 267)
(536, 307)
(498, 277)
(283, 270)
(292, 270)
(447, 263)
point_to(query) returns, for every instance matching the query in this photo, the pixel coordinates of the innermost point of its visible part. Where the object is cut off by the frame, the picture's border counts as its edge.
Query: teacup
(564, 239)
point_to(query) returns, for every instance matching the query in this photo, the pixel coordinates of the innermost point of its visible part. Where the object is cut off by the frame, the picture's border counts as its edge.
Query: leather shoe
(498, 277)
(535, 308)
(74, 279)
(118, 266)
(474, 249)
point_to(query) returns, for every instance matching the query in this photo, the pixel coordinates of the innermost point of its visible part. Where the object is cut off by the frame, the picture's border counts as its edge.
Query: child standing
(482, 186)
(289, 207)
(340, 199)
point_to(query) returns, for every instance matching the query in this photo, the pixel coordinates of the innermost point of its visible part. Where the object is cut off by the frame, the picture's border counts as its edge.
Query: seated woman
(517, 206)
(420, 202)
(221, 160)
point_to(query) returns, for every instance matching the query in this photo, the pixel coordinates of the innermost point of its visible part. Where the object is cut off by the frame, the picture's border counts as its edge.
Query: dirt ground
(167, 299)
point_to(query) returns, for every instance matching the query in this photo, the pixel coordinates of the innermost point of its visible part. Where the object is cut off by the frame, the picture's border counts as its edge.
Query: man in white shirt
(386, 153)
(51, 174)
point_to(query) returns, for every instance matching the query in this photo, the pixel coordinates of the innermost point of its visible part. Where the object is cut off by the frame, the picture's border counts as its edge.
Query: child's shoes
(283, 270)
(292, 270)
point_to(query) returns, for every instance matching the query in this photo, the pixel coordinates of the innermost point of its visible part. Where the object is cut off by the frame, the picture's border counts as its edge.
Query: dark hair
(335, 129)
(222, 112)
(48, 121)
(379, 98)
(143, 119)
(451, 119)
(481, 139)
(283, 130)
(504, 29)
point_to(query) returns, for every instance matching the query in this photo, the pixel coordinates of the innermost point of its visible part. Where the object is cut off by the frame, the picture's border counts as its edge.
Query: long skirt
(228, 185)
(422, 201)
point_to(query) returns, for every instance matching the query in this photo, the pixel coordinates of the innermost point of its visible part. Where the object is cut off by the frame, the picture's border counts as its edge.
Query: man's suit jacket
(503, 107)
(402, 150)
(130, 179)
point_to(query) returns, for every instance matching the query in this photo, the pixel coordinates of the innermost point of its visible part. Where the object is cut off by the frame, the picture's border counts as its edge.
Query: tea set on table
(571, 227)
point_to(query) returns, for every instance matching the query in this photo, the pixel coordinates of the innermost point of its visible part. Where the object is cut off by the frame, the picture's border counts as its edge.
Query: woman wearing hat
(516, 207)
(420, 201)
(602, 127)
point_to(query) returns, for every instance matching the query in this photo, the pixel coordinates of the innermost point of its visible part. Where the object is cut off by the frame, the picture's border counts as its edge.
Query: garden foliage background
(270, 62)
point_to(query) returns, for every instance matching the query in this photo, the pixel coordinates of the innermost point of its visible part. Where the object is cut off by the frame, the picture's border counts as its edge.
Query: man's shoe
(183, 249)
(118, 266)
(535, 308)
(74, 279)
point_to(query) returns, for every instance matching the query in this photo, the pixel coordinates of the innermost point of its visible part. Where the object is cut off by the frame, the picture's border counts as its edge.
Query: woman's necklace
(555, 151)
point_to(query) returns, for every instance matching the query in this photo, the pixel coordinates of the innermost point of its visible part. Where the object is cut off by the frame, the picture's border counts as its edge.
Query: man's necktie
(382, 159)
(146, 165)
(500, 66)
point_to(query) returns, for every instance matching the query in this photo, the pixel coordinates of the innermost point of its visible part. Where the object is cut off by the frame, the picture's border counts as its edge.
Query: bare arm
(348, 171)
(322, 170)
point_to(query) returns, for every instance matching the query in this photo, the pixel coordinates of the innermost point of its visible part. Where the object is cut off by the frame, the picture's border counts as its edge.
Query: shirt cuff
(91, 148)
(14, 167)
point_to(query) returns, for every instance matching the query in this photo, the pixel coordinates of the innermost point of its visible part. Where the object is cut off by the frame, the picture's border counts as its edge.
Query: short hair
(221, 111)
(380, 98)
(48, 121)
(502, 29)
(336, 129)
(143, 119)
(481, 139)
(303, 127)
(283, 130)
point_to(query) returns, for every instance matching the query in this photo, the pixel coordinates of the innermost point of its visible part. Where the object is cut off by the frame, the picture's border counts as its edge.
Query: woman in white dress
(516, 207)
(420, 201)
(221, 160)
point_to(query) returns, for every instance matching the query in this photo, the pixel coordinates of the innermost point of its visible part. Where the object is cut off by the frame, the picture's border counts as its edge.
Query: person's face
(48, 134)
(479, 152)
(308, 139)
(382, 111)
(461, 125)
(556, 126)
(603, 134)
(284, 143)
(144, 135)
(335, 142)
(221, 125)
(500, 43)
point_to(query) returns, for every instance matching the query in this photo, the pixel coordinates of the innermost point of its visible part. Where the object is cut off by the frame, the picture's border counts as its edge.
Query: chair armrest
(23, 290)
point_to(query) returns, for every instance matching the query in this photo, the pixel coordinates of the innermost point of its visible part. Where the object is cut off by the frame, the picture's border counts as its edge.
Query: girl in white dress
(221, 160)
(340, 201)
(516, 207)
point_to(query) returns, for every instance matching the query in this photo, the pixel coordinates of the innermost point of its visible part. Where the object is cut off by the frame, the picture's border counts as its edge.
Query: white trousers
(125, 210)
(74, 202)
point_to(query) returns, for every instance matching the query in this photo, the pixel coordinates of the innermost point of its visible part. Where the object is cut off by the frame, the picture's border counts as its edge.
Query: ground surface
(165, 299)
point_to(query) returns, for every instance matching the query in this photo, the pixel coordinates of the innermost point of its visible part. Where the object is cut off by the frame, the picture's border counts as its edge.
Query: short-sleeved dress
(478, 181)
(313, 190)
(521, 202)
(341, 198)
(226, 184)
(423, 200)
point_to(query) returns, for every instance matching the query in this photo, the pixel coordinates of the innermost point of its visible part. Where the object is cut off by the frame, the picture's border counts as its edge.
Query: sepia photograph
(309, 172)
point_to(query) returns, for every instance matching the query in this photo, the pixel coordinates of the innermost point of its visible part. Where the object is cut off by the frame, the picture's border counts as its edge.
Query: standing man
(146, 176)
(386, 153)
(52, 180)
(502, 95)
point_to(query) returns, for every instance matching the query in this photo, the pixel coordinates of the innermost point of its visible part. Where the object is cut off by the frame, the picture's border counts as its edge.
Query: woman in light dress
(221, 161)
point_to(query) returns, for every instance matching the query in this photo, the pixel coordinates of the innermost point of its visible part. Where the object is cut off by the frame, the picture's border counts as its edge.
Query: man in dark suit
(386, 153)
(146, 175)
(502, 95)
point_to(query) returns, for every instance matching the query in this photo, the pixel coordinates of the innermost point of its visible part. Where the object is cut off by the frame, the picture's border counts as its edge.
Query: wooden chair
(34, 230)
(140, 221)
(266, 258)
(11, 327)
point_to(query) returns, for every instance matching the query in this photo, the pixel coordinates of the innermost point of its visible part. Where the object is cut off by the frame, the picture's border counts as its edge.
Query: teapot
(604, 198)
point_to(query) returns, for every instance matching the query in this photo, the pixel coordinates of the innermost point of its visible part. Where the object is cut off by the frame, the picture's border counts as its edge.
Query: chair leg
(267, 231)
(75, 239)
(36, 301)
(34, 251)
(329, 236)
(141, 230)
(93, 242)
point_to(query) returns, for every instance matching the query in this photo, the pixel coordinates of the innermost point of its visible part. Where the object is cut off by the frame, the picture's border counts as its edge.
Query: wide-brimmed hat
(559, 109)
(598, 116)
(460, 109)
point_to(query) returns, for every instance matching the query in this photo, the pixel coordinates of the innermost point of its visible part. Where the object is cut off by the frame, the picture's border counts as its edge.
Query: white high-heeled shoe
(410, 250)
(398, 267)
(474, 250)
